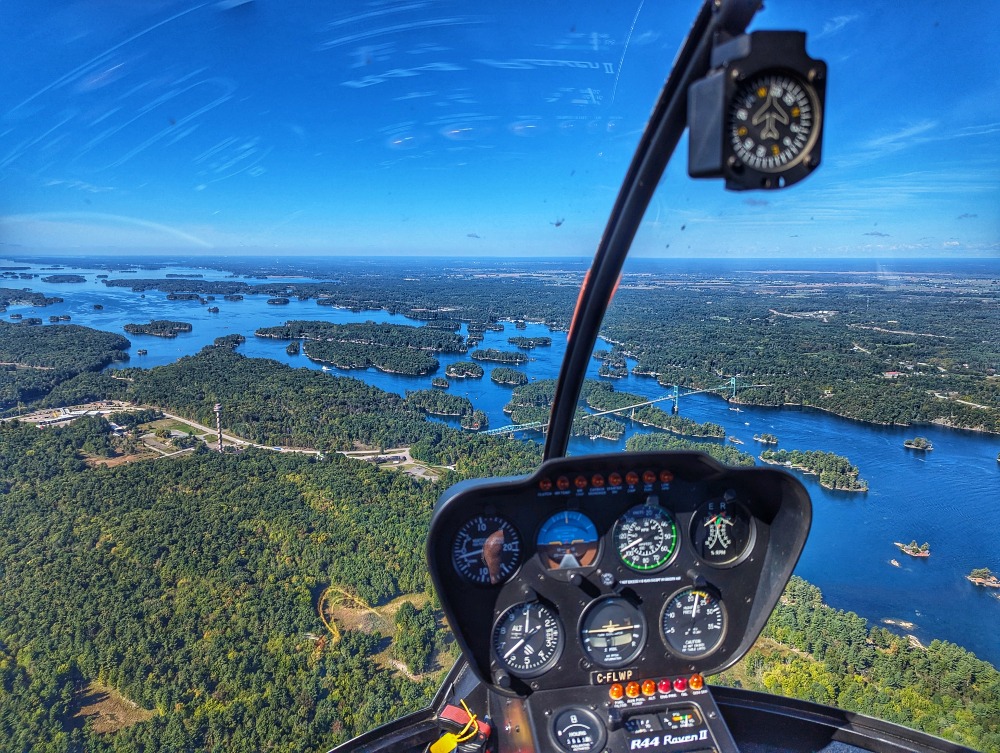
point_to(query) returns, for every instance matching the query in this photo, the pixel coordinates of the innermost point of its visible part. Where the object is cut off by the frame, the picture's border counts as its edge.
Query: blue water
(949, 497)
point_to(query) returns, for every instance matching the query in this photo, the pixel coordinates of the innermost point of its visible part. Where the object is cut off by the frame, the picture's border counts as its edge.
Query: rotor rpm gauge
(612, 632)
(528, 639)
(645, 537)
(721, 531)
(486, 550)
(772, 121)
(693, 623)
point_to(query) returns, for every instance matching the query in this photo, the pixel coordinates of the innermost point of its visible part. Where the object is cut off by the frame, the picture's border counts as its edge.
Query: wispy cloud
(877, 234)
(835, 24)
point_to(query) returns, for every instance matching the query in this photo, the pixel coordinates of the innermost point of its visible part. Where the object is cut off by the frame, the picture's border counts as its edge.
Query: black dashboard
(594, 596)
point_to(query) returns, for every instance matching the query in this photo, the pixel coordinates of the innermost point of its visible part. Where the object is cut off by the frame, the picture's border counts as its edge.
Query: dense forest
(812, 651)
(34, 361)
(505, 375)
(158, 328)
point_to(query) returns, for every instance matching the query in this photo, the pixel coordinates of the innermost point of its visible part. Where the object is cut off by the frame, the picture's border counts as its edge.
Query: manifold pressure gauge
(757, 118)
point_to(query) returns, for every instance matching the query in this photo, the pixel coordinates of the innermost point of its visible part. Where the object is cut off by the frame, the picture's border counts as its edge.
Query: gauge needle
(629, 546)
(694, 607)
(515, 647)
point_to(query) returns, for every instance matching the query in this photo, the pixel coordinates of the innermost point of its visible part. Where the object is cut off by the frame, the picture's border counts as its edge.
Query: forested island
(464, 370)
(504, 375)
(500, 356)
(158, 328)
(983, 576)
(765, 438)
(66, 278)
(918, 443)
(834, 471)
(913, 549)
(440, 383)
(529, 343)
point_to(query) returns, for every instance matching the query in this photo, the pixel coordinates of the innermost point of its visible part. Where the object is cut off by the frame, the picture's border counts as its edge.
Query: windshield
(273, 276)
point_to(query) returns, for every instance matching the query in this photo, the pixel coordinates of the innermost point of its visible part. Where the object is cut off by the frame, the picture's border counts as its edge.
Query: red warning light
(680, 684)
(665, 686)
(562, 483)
(649, 477)
(545, 484)
(581, 482)
(597, 480)
(666, 477)
(615, 479)
(632, 478)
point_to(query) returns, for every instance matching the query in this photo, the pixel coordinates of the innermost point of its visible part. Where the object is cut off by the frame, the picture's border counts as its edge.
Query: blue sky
(468, 129)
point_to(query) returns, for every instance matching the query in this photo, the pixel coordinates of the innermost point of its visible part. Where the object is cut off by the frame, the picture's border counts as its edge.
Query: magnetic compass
(772, 121)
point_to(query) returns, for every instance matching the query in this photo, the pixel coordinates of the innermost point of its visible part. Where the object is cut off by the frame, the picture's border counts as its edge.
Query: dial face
(568, 540)
(645, 537)
(527, 639)
(612, 632)
(721, 531)
(772, 121)
(693, 623)
(577, 730)
(486, 550)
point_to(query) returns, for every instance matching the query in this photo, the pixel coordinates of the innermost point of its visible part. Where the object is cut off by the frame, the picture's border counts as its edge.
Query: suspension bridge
(730, 386)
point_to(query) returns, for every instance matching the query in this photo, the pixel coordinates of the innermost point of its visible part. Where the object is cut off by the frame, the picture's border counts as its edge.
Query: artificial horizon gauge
(486, 550)
(771, 122)
(528, 638)
(645, 537)
(612, 632)
(693, 623)
(568, 540)
(721, 531)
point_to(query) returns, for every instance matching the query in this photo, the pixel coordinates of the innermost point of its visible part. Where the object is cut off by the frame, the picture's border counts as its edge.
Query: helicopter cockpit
(592, 598)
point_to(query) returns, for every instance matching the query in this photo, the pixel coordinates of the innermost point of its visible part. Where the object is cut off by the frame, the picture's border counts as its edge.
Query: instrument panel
(605, 569)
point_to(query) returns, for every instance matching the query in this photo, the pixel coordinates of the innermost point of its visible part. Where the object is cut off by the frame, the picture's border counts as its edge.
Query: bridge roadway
(732, 384)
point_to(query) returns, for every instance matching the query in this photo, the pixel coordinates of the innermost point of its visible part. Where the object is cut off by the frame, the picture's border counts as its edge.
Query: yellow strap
(445, 744)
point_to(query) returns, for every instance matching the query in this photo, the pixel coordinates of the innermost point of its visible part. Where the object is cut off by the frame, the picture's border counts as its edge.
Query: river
(949, 497)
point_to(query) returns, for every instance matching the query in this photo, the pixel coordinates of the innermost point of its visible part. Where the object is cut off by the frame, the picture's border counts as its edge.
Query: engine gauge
(612, 632)
(645, 537)
(486, 550)
(568, 540)
(693, 623)
(528, 639)
(721, 531)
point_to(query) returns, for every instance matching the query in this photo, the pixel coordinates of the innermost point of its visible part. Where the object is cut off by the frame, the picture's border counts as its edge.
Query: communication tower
(218, 422)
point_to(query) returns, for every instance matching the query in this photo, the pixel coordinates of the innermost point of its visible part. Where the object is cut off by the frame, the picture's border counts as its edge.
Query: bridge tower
(218, 422)
(677, 395)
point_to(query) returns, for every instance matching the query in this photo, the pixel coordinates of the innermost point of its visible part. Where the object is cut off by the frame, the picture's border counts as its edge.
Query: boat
(894, 563)
(734, 440)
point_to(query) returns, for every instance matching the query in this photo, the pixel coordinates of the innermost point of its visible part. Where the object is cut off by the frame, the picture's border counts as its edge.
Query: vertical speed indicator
(486, 550)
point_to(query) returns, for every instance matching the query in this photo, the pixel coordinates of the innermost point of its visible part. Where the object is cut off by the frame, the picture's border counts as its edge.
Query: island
(982, 576)
(511, 377)
(213, 309)
(277, 301)
(528, 343)
(293, 348)
(499, 356)
(98, 307)
(64, 278)
(464, 370)
(232, 297)
(158, 328)
(765, 438)
(440, 382)
(924, 550)
(918, 443)
(834, 471)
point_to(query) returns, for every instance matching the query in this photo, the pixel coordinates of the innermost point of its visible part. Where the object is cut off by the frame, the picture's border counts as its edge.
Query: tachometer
(693, 623)
(612, 632)
(721, 531)
(528, 639)
(568, 540)
(486, 550)
(645, 537)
